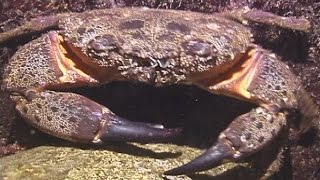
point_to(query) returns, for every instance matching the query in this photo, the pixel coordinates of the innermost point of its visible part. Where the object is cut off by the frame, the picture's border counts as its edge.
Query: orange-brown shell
(155, 46)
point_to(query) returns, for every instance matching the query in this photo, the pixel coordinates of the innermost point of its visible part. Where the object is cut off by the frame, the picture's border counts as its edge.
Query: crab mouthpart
(239, 79)
(71, 70)
(74, 66)
(233, 78)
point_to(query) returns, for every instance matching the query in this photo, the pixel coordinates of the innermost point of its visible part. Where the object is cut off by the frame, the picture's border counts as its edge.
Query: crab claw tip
(209, 159)
(121, 129)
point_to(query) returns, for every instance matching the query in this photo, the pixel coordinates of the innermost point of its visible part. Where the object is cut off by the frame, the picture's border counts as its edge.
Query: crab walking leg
(76, 118)
(245, 135)
(36, 25)
(246, 14)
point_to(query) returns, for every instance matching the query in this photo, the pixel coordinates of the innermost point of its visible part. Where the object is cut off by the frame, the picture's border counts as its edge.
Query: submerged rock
(121, 161)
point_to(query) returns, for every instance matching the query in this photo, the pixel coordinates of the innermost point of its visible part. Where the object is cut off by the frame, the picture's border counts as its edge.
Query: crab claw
(246, 135)
(74, 117)
(210, 158)
(120, 129)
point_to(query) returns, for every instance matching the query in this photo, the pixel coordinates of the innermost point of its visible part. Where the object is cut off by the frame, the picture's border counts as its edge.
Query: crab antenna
(209, 159)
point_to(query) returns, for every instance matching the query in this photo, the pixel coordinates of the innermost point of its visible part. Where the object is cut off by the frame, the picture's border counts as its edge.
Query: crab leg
(245, 135)
(74, 117)
(245, 14)
(36, 25)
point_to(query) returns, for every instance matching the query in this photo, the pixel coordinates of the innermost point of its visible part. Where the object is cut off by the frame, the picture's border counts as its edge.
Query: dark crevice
(201, 114)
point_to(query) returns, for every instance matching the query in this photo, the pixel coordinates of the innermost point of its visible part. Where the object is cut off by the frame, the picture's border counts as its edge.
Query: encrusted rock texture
(180, 105)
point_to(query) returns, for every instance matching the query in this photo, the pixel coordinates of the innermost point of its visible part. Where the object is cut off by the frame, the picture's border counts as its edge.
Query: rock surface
(137, 162)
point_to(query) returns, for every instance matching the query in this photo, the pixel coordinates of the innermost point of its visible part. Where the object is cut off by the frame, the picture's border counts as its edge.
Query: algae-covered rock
(121, 161)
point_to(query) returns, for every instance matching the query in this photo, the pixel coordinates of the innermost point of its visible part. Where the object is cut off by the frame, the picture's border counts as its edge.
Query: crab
(215, 52)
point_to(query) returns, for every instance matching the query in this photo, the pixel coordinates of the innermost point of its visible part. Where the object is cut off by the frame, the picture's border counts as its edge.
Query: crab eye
(198, 47)
(102, 43)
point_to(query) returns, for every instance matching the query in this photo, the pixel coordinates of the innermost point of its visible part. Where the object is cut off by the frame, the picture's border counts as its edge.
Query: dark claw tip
(209, 159)
(123, 130)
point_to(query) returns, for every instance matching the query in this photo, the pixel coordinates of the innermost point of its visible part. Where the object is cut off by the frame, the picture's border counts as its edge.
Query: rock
(121, 161)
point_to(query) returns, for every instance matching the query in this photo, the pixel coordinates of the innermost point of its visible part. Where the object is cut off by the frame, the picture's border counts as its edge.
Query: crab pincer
(255, 79)
(244, 136)
(77, 118)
